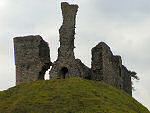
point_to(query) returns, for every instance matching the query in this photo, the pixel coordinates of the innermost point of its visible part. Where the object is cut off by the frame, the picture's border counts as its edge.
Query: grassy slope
(72, 95)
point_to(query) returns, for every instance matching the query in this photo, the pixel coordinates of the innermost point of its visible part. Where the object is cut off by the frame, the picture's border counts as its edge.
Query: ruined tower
(66, 65)
(108, 68)
(32, 58)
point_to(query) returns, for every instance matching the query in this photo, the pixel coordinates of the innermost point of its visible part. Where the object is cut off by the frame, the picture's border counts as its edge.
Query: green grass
(72, 95)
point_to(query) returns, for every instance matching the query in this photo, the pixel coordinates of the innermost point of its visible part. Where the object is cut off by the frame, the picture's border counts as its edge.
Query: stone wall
(32, 58)
(66, 65)
(108, 68)
(127, 84)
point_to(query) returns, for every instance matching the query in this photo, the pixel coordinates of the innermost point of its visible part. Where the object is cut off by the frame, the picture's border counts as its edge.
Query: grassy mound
(72, 95)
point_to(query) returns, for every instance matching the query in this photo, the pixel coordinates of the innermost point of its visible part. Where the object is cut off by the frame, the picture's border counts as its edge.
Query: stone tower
(108, 68)
(32, 58)
(67, 32)
(66, 65)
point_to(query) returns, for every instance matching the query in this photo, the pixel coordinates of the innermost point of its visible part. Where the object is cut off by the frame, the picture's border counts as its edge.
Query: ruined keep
(108, 68)
(32, 56)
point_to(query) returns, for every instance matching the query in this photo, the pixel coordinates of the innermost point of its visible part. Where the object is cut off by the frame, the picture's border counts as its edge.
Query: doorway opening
(63, 72)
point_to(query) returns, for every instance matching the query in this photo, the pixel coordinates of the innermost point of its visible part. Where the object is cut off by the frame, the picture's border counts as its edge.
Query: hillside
(72, 95)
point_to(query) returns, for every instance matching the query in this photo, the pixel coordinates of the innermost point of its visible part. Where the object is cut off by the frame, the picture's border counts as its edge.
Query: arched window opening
(43, 72)
(47, 76)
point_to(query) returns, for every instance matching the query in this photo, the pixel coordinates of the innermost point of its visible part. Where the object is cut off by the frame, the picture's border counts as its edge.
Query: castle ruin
(32, 58)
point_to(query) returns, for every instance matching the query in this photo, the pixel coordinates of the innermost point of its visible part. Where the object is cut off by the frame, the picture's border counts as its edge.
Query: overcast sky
(123, 24)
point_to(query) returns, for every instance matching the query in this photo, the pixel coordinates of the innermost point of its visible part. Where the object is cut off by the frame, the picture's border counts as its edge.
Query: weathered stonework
(127, 84)
(108, 68)
(32, 58)
(66, 65)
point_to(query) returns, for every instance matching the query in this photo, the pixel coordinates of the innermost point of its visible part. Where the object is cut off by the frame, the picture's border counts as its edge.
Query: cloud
(134, 10)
